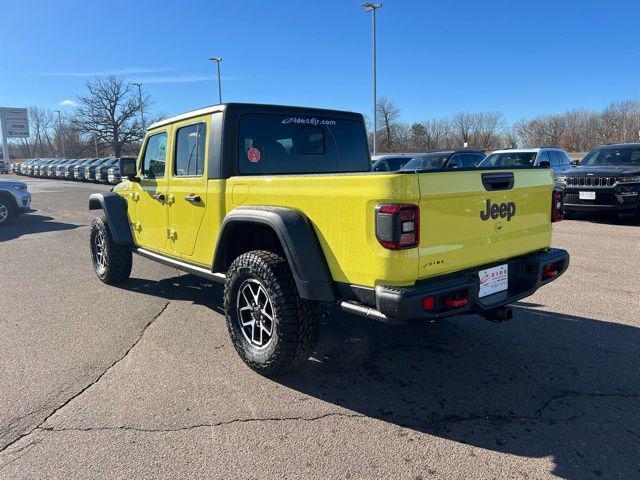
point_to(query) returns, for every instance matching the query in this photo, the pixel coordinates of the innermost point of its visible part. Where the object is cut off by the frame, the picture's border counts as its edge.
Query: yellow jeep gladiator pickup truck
(280, 204)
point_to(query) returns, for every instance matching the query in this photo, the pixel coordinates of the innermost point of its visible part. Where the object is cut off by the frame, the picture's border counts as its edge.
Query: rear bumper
(399, 304)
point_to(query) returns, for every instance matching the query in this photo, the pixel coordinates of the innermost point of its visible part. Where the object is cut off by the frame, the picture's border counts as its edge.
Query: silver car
(14, 199)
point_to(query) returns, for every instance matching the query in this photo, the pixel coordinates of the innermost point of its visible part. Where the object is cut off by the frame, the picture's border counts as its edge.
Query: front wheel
(270, 326)
(111, 262)
(6, 211)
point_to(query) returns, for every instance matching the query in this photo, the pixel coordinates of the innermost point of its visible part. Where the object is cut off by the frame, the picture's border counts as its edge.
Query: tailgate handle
(497, 181)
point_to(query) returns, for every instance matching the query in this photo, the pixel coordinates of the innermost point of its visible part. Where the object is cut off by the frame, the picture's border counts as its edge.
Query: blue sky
(434, 58)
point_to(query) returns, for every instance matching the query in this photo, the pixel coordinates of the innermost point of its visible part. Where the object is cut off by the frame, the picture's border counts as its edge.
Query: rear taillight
(557, 206)
(398, 226)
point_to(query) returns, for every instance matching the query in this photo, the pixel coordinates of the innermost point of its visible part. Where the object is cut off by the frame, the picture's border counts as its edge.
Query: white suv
(528, 157)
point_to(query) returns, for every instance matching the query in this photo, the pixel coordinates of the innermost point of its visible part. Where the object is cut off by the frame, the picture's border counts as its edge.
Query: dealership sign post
(14, 123)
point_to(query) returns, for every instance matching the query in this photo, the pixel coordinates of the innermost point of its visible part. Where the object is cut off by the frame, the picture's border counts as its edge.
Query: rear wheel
(6, 211)
(111, 262)
(270, 326)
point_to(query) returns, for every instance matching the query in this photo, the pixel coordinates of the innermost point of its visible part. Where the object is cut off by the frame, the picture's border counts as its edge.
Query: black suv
(441, 159)
(607, 179)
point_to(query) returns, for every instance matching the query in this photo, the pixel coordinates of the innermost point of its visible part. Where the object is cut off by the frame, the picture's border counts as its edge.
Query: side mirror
(574, 163)
(128, 169)
(544, 164)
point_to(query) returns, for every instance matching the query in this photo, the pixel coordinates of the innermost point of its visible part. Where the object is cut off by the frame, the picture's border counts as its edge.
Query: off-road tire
(295, 324)
(117, 259)
(5, 203)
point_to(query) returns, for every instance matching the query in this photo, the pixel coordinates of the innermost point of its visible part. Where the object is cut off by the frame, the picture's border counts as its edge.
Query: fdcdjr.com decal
(308, 121)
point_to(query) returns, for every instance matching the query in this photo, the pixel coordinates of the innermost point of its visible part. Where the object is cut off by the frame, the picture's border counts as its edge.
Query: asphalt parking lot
(142, 380)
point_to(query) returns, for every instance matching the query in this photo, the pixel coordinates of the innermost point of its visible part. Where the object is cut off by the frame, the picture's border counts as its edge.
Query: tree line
(106, 121)
(576, 130)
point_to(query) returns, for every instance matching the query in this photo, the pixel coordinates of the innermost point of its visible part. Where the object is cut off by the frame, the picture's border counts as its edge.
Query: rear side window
(510, 160)
(274, 144)
(542, 157)
(464, 160)
(189, 154)
(155, 156)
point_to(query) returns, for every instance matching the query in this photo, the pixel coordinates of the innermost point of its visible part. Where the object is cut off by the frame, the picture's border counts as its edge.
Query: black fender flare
(299, 242)
(115, 209)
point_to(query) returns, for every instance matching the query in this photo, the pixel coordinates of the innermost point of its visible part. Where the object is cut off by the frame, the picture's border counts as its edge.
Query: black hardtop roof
(238, 109)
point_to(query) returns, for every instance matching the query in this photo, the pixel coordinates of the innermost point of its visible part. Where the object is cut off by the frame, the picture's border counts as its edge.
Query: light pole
(218, 60)
(61, 134)
(139, 85)
(372, 7)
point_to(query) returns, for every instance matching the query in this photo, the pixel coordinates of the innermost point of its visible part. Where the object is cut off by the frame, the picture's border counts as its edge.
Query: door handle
(192, 198)
(159, 196)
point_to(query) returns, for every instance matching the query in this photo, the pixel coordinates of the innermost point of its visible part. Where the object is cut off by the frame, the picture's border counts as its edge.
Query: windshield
(613, 156)
(509, 159)
(433, 161)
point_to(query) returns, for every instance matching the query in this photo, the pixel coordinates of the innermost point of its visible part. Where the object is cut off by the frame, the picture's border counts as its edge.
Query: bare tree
(387, 114)
(111, 112)
(438, 133)
(464, 127)
(488, 126)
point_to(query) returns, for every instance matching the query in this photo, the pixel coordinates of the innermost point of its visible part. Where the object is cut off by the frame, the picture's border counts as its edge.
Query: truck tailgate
(470, 218)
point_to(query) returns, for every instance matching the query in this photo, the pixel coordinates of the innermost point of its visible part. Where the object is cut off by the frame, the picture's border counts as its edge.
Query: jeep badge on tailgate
(498, 210)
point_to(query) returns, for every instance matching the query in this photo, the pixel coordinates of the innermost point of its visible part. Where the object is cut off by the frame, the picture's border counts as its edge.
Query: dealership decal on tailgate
(493, 280)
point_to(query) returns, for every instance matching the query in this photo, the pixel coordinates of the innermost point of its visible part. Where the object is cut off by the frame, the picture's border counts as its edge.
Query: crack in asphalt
(438, 422)
(90, 384)
(206, 425)
(432, 422)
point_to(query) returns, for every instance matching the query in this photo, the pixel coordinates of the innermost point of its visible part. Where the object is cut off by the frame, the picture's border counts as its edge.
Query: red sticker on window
(253, 155)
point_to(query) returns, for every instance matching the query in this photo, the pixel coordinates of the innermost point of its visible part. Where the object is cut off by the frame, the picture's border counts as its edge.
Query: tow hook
(500, 314)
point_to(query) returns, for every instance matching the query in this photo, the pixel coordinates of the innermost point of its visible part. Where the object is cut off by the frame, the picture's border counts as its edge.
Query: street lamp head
(216, 59)
(136, 84)
(368, 6)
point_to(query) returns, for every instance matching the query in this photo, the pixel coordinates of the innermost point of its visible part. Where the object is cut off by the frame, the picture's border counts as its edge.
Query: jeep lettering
(502, 210)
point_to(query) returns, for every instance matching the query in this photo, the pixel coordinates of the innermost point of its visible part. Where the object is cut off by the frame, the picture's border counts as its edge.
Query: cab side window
(543, 157)
(189, 154)
(155, 156)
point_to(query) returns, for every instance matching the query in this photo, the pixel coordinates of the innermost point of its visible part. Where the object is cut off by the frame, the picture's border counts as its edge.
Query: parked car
(391, 163)
(607, 179)
(34, 168)
(113, 175)
(67, 170)
(24, 166)
(444, 159)
(4, 166)
(557, 158)
(90, 170)
(14, 199)
(289, 225)
(78, 170)
(59, 168)
(42, 168)
(101, 173)
(50, 169)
